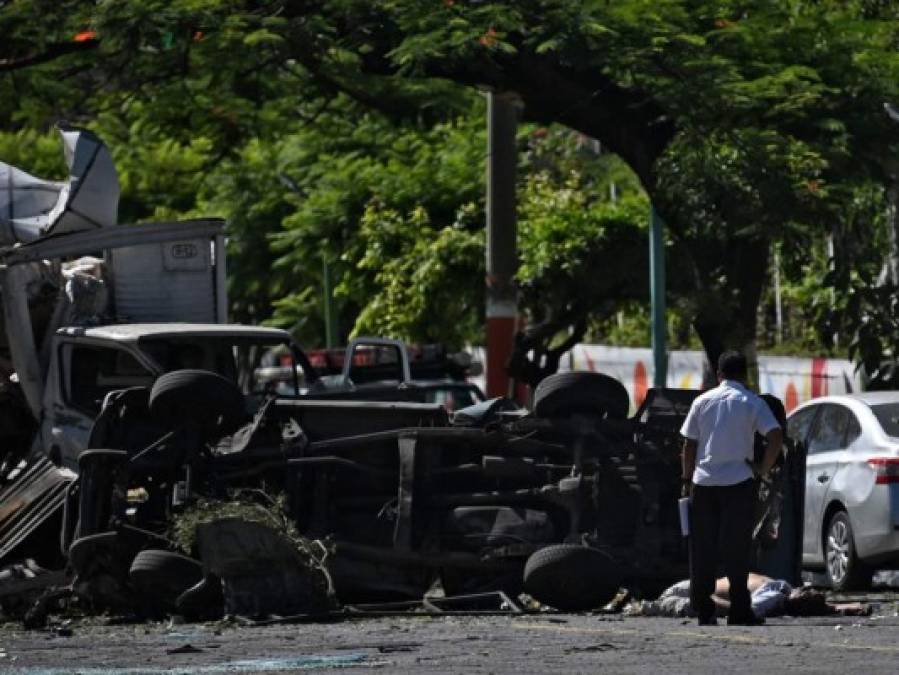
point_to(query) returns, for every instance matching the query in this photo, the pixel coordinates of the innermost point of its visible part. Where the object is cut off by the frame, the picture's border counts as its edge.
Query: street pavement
(538, 643)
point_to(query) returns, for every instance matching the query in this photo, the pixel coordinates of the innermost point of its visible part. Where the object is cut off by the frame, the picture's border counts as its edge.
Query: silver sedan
(851, 484)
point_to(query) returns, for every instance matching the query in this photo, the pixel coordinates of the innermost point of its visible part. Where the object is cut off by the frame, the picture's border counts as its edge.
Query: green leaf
(262, 36)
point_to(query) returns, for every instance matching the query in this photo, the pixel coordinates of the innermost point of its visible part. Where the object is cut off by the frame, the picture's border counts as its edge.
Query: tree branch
(394, 108)
(628, 121)
(51, 53)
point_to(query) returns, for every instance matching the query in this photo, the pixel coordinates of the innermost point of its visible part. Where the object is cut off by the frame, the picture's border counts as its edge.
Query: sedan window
(830, 429)
(798, 424)
(888, 416)
(854, 430)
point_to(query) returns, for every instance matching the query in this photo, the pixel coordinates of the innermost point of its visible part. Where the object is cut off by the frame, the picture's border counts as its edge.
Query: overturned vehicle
(569, 502)
(572, 500)
(151, 446)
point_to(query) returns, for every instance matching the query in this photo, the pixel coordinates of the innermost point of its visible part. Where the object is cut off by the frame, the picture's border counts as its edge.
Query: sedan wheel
(844, 570)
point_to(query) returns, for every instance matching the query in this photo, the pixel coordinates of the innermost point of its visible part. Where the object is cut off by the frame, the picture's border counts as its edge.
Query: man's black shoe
(708, 621)
(750, 620)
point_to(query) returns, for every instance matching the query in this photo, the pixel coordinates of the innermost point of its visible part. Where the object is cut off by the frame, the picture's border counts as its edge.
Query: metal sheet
(31, 207)
(84, 243)
(32, 498)
(172, 281)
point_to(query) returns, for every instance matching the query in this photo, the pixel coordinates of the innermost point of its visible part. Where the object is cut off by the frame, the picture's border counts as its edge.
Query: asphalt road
(543, 643)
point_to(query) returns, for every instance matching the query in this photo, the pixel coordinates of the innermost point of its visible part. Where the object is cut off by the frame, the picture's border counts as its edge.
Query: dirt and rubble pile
(265, 566)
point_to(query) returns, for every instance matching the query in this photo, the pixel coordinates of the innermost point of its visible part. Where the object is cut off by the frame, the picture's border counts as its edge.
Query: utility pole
(330, 311)
(657, 298)
(502, 255)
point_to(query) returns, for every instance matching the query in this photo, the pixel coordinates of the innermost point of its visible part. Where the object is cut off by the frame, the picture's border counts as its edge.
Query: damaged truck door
(82, 371)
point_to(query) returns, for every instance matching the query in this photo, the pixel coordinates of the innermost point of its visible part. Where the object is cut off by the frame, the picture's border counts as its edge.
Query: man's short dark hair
(732, 366)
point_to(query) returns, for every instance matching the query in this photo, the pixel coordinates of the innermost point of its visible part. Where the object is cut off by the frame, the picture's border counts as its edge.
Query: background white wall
(793, 380)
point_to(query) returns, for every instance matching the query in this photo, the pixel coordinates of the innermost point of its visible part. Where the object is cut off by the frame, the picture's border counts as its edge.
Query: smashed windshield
(248, 361)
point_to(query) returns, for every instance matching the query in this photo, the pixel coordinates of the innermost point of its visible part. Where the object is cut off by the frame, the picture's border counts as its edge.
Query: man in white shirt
(718, 450)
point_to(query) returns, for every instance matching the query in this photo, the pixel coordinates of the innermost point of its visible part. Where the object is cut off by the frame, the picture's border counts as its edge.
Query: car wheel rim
(838, 551)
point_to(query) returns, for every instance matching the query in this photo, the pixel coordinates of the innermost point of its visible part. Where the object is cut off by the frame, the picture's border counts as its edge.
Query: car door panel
(827, 458)
(854, 482)
(798, 426)
(85, 373)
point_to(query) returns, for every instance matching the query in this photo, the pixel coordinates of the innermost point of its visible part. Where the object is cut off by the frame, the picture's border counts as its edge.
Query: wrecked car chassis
(400, 495)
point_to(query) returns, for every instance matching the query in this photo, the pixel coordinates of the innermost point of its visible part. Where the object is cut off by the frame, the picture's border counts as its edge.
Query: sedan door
(798, 427)
(826, 456)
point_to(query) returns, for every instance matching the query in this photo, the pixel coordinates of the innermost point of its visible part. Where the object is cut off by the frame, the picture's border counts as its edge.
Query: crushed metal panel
(25, 201)
(31, 207)
(28, 501)
(14, 283)
(89, 242)
(402, 535)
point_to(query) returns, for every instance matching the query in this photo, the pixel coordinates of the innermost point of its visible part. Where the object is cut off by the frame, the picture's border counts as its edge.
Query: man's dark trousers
(721, 519)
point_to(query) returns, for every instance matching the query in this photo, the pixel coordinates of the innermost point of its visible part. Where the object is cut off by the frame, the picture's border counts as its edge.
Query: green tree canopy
(745, 122)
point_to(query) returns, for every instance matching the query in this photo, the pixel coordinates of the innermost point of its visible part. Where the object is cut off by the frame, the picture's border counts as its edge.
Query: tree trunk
(752, 361)
(728, 319)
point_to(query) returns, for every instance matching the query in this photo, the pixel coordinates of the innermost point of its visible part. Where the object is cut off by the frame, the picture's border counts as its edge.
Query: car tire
(571, 578)
(203, 600)
(204, 397)
(100, 565)
(83, 551)
(564, 394)
(160, 577)
(844, 570)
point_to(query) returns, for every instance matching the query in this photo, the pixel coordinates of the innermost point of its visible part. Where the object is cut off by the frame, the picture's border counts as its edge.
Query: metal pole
(778, 300)
(329, 309)
(657, 298)
(221, 280)
(502, 258)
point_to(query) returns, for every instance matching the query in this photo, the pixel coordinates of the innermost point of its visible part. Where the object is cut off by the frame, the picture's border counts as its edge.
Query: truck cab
(384, 369)
(88, 363)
